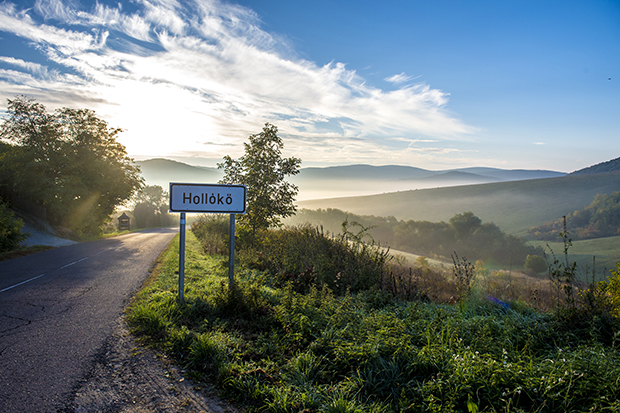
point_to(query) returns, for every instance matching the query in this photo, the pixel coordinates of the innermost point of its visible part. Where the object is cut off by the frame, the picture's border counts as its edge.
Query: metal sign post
(231, 253)
(182, 259)
(207, 198)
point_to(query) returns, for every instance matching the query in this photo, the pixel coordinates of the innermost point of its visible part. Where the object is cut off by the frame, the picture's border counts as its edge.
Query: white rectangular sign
(213, 198)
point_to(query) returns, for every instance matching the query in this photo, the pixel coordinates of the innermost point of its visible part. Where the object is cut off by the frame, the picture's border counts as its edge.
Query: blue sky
(432, 84)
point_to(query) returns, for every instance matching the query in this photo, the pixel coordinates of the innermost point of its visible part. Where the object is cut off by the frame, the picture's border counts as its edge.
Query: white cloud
(31, 67)
(400, 78)
(204, 71)
(63, 10)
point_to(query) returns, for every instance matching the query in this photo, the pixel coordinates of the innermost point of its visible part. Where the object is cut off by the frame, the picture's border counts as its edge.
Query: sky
(439, 84)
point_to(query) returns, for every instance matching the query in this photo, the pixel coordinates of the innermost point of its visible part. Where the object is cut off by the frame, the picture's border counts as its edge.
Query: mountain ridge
(600, 168)
(346, 180)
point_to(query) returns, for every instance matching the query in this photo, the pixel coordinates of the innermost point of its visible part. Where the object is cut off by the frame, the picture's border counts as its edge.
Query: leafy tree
(465, 224)
(68, 162)
(151, 208)
(264, 171)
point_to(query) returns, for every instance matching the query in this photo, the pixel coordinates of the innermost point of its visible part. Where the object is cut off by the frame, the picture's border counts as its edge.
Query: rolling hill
(600, 168)
(514, 206)
(164, 171)
(350, 180)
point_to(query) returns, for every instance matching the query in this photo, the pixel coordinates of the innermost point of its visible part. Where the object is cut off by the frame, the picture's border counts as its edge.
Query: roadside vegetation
(323, 323)
(10, 229)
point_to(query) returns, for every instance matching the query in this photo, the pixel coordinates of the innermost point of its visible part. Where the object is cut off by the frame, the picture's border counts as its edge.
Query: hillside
(600, 168)
(164, 171)
(514, 206)
(350, 180)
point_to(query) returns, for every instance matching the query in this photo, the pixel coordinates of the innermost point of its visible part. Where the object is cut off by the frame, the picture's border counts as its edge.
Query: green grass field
(603, 253)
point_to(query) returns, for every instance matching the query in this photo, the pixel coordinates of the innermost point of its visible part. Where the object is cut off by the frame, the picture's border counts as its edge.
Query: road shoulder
(127, 377)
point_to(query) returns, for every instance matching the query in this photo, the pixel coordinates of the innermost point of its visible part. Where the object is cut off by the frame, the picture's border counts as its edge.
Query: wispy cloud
(182, 76)
(400, 78)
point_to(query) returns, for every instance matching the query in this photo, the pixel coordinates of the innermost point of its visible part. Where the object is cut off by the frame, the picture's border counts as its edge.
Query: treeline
(599, 219)
(151, 208)
(67, 162)
(464, 234)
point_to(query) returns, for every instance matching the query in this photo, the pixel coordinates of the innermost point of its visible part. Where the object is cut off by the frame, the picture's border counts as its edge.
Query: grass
(273, 347)
(605, 250)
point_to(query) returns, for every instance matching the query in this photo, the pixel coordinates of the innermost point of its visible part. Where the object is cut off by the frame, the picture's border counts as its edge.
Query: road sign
(211, 198)
(207, 198)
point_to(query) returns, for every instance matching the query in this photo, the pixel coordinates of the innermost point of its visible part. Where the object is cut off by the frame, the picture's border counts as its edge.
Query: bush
(10, 229)
(305, 257)
(535, 263)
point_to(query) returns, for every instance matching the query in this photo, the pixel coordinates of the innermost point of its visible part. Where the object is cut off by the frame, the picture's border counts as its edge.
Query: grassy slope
(514, 206)
(606, 251)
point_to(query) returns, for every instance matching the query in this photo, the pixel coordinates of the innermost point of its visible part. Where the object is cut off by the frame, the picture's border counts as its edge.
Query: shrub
(612, 288)
(10, 229)
(535, 263)
(304, 256)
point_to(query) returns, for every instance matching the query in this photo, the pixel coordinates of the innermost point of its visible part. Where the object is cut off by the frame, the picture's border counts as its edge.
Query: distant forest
(599, 219)
(601, 168)
(465, 234)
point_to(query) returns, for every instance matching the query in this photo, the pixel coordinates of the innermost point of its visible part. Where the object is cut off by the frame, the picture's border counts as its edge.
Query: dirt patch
(129, 378)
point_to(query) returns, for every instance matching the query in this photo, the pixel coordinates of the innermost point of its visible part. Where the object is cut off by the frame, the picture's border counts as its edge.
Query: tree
(263, 170)
(465, 224)
(151, 208)
(69, 162)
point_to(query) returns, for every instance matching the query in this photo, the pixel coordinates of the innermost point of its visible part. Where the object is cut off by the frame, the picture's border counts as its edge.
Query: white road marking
(39, 276)
(23, 282)
(73, 263)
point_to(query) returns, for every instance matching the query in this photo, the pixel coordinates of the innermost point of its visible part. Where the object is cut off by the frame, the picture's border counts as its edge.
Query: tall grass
(273, 346)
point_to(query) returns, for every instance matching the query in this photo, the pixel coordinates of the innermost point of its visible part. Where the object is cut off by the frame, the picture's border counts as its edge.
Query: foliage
(319, 351)
(264, 171)
(599, 219)
(151, 207)
(10, 229)
(535, 263)
(610, 290)
(68, 161)
(464, 233)
(305, 257)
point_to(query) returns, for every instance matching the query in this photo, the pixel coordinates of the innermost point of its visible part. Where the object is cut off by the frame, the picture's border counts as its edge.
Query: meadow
(317, 323)
(593, 255)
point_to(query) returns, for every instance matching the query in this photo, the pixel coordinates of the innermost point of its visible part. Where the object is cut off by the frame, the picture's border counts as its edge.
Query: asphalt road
(58, 308)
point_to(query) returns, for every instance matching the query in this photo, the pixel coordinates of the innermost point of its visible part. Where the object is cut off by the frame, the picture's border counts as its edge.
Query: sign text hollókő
(213, 198)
